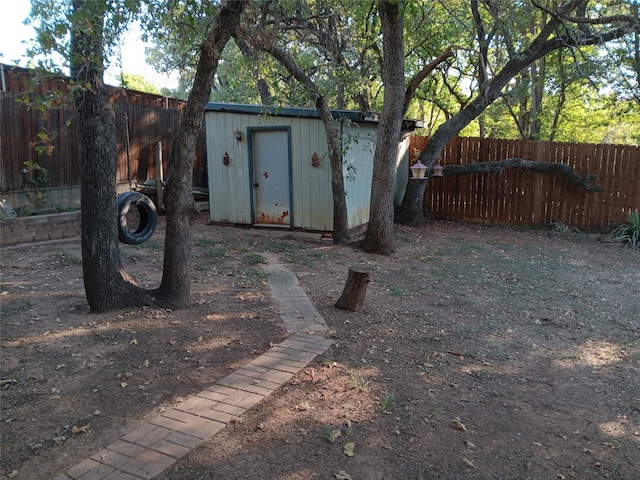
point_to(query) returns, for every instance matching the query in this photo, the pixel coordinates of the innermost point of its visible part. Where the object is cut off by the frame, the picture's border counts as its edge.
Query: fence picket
(152, 118)
(532, 198)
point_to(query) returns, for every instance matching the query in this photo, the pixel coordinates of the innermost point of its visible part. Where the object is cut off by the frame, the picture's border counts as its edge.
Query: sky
(13, 34)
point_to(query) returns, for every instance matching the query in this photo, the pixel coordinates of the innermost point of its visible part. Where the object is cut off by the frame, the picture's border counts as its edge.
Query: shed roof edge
(299, 112)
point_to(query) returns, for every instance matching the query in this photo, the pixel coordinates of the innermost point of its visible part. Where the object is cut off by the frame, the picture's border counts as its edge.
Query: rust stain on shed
(273, 219)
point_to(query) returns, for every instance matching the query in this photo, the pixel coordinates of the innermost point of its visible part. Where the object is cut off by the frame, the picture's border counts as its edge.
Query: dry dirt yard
(483, 353)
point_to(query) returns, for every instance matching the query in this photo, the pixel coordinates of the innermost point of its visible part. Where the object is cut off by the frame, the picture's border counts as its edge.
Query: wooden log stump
(355, 289)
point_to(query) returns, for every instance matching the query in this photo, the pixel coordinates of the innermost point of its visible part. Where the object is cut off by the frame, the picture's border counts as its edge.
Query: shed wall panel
(401, 176)
(311, 185)
(359, 145)
(230, 186)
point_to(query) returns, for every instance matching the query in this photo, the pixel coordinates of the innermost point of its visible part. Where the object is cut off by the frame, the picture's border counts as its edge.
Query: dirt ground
(483, 353)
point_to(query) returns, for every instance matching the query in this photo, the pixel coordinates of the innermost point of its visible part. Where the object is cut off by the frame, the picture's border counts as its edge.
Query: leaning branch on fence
(499, 166)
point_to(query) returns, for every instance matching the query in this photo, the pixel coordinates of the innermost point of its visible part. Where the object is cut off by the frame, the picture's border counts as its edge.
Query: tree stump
(355, 289)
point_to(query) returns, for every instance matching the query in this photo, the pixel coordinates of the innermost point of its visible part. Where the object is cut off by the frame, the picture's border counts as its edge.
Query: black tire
(148, 218)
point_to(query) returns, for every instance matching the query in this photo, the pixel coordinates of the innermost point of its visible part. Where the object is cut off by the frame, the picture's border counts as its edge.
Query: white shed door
(271, 177)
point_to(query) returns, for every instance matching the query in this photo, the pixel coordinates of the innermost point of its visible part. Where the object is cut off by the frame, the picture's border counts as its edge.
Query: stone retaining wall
(39, 228)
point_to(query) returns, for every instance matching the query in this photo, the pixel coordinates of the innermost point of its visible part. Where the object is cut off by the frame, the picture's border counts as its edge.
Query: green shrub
(628, 233)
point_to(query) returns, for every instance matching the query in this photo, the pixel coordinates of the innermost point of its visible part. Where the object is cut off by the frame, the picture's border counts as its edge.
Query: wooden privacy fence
(520, 197)
(152, 120)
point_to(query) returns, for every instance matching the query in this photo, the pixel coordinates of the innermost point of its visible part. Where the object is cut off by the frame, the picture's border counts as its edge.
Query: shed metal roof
(297, 112)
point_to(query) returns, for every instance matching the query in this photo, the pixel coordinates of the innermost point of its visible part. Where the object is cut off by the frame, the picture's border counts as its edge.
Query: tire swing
(147, 213)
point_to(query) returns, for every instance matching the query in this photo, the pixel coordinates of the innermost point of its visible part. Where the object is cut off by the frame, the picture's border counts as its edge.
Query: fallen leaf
(124, 384)
(84, 429)
(469, 444)
(342, 475)
(458, 425)
(468, 463)
(62, 365)
(59, 440)
(348, 449)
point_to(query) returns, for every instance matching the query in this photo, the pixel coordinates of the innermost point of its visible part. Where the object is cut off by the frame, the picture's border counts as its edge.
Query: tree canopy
(589, 88)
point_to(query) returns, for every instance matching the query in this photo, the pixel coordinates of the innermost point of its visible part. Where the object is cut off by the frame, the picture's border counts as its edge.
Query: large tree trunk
(180, 207)
(379, 238)
(107, 287)
(411, 210)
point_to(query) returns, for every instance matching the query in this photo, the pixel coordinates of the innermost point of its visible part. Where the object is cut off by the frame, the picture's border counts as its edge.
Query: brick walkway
(153, 447)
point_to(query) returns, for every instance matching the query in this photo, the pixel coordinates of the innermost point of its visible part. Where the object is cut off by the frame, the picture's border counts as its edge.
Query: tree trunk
(341, 234)
(175, 287)
(355, 290)
(411, 210)
(379, 238)
(106, 285)
(261, 83)
(537, 93)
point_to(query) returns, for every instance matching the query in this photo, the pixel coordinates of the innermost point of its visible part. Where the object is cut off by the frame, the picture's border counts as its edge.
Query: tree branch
(415, 82)
(499, 166)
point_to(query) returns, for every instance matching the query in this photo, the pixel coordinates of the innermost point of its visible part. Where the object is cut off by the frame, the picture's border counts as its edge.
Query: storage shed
(269, 166)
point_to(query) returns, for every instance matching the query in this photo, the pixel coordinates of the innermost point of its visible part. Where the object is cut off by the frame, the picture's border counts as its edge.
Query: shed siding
(313, 203)
(230, 186)
(401, 176)
(359, 141)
